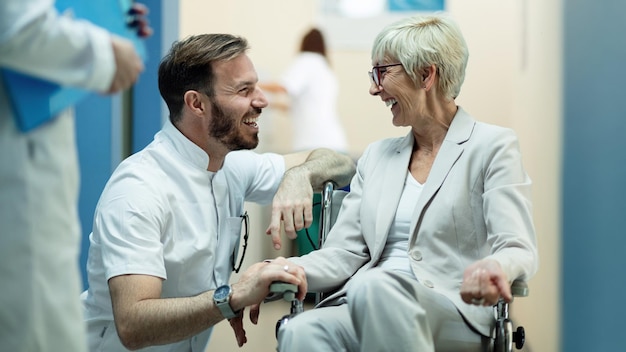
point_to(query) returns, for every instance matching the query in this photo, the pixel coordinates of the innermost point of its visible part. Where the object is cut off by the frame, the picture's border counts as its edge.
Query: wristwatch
(221, 298)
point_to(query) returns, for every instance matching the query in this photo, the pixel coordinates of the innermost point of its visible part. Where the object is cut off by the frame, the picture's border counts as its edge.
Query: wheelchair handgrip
(519, 288)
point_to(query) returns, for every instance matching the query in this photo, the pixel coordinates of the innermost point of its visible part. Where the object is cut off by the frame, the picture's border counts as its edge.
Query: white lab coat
(39, 227)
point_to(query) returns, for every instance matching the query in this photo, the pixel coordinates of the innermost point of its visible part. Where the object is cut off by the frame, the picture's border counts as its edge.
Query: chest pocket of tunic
(230, 239)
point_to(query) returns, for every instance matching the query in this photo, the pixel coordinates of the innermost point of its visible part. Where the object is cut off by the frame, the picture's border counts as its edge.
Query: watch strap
(226, 310)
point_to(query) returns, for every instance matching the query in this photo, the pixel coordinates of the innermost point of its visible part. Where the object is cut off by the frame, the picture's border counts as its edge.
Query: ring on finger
(286, 268)
(478, 301)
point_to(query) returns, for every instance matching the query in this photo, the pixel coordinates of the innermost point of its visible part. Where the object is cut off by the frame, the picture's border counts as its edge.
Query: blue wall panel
(594, 176)
(95, 139)
(99, 120)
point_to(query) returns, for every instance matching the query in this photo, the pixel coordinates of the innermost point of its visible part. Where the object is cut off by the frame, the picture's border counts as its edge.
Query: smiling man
(167, 226)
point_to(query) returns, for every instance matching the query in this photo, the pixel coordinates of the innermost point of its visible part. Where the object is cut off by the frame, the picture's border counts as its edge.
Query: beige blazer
(475, 204)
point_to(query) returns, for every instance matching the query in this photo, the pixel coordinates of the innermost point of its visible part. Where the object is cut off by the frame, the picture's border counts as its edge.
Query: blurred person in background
(40, 230)
(312, 89)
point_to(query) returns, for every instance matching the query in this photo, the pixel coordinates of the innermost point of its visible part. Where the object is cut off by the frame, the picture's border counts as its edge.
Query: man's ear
(193, 102)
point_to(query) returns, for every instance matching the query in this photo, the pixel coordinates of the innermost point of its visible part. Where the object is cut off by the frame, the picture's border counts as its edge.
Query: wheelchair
(504, 336)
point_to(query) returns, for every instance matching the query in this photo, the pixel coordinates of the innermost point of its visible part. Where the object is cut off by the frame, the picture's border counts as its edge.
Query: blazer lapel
(393, 181)
(450, 151)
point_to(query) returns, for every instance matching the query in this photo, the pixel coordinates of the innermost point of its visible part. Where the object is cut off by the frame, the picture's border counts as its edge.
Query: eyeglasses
(377, 72)
(244, 225)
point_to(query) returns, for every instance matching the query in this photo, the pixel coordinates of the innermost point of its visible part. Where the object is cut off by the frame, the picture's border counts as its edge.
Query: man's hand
(254, 286)
(306, 171)
(484, 282)
(139, 13)
(128, 65)
(292, 206)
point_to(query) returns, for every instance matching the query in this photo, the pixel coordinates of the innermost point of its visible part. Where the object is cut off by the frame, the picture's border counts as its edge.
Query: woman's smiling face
(399, 93)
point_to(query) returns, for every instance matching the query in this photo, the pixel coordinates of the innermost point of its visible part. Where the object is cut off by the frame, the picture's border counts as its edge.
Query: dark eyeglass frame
(376, 74)
(245, 220)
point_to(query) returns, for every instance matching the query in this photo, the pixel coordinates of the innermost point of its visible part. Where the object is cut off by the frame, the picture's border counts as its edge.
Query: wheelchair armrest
(519, 288)
(282, 290)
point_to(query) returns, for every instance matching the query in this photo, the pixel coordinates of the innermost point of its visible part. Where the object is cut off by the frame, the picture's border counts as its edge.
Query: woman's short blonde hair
(421, 41)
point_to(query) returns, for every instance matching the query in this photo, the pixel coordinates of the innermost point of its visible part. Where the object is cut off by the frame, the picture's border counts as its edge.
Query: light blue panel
(594, 176)
(415, 5)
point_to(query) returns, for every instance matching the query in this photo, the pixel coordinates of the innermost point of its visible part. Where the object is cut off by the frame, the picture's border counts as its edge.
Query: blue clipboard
(36, 101)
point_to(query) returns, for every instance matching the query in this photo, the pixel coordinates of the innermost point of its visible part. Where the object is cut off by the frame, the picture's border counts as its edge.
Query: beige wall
(513, 79)
(536, 113)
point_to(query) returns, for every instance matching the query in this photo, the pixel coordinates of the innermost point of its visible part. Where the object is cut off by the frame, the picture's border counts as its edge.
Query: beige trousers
(385, 311)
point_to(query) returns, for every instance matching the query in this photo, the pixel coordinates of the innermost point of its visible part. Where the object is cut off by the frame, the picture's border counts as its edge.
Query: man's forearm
(163, 321)
(292, 206)
(325, 165)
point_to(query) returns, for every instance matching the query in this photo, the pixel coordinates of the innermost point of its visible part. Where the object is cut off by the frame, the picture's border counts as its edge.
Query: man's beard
(224, 128)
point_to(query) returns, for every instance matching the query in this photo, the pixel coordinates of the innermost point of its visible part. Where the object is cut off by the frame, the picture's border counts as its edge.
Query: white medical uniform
(39, 226)
(163, 214)
(313, 90)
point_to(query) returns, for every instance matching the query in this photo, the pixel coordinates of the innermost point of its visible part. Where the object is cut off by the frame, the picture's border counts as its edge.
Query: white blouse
(395, 255)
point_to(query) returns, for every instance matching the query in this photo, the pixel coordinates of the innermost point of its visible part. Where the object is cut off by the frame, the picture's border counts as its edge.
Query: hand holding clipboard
(36, 101)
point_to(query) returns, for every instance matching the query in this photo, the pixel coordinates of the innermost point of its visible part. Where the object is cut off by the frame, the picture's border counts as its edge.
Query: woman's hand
(484, 282)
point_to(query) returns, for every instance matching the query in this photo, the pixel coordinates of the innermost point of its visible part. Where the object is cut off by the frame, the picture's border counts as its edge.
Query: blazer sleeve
(508, 209)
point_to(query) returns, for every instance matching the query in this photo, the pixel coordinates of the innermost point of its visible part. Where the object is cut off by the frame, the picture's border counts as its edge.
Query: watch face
(221, 293)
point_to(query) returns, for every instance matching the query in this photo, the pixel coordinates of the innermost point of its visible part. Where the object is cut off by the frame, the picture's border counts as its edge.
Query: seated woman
(437, 223)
